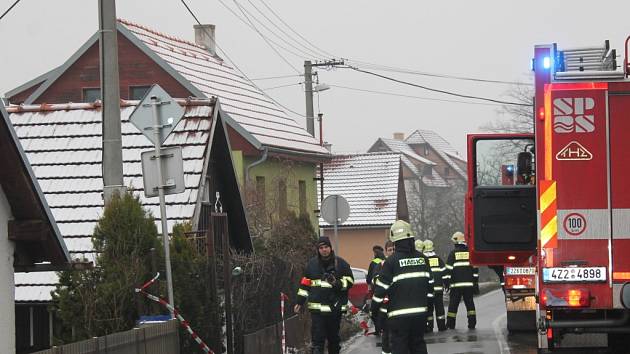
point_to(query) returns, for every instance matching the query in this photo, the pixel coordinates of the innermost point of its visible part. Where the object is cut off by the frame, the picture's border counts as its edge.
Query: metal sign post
(157, 130)
(160, 113)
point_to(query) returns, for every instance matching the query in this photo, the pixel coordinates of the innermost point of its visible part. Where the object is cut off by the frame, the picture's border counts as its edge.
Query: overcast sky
(481, 39)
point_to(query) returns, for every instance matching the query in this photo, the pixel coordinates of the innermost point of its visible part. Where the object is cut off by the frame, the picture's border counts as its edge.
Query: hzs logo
(573, 115)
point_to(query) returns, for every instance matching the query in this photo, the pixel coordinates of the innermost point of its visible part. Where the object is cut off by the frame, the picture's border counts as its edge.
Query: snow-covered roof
(407, 155)
(64, 143)
(440, 145)
(28, 203)
(240, 98)
(370, 184)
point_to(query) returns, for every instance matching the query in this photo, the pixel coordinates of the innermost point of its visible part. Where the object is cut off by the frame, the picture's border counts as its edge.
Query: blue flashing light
(546, 62)
(510, 168)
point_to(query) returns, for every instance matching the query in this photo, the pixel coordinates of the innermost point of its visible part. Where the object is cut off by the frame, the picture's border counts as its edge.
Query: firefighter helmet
(400, 230)
(458, 237)
(428, 245)
(419, 245)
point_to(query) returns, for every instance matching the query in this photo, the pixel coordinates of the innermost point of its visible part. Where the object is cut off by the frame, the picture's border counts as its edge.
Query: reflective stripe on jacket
(318, 293)
(406, 281)
(459, 272)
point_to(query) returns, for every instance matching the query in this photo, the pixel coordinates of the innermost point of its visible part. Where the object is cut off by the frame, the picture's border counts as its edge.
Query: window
(427, 170)
(91, 94)
(302, 190)
(447, 171)
(497, 161)
(282, 196)
(426, 150)
(138, 92)
(260, 190)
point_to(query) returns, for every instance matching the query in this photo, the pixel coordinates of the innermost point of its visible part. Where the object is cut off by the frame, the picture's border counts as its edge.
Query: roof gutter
(313, 155)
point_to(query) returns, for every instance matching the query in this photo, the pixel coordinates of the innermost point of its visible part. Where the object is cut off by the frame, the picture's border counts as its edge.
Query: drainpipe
(256, 163)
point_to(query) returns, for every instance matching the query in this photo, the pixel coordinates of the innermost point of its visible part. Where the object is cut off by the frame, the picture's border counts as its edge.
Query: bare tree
(515, 118)
(436, 212)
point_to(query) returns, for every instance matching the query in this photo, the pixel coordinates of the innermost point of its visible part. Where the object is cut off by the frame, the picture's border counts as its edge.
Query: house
(63, 144)
(451, 166)
(29, 241)
(264, 139)
(372, 183)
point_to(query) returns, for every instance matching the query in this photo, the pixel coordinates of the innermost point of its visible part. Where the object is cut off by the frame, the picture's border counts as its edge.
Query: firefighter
(419, 244)
(380, 321)
(375, 264)
(379, 257)
(462, 280)
(437, 269)
(406, 281)
(324, 289)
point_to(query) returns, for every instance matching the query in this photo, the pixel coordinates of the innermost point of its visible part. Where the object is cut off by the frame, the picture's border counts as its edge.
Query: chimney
(399, 136)
(204, 36)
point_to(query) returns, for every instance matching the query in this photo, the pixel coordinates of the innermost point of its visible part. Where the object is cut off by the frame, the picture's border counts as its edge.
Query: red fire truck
(567, 211)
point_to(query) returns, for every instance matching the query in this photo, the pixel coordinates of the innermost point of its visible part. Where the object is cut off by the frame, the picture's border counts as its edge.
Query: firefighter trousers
(385, 340)
(407, 335)
(325, 328)
(436, 305)
(454, 299)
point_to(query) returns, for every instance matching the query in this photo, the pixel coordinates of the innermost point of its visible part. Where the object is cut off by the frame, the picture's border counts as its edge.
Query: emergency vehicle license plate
(520, 271)
(574, 274)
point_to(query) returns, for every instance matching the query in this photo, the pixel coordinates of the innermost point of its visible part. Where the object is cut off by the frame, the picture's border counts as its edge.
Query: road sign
(335, 209)
(574, 224)
(169, 114)
(172, 172)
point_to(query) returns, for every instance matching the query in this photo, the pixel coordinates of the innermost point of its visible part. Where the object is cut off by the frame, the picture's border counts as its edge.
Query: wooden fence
(162, 338)
(268, 339)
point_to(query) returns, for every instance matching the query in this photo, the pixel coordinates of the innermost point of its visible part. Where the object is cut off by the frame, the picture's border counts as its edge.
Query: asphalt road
(490, 336)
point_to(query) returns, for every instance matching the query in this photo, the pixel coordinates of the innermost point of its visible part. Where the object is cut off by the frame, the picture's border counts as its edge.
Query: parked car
(359, 292)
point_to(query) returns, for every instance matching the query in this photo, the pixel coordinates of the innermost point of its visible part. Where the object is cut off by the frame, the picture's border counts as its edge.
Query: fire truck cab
(559, 200)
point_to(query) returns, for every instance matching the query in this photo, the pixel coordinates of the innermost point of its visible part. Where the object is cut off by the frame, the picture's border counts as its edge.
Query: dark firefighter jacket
(459, 272)
(406, 281)
(324, 287)
(382, 306)
(374, 265)
(438, 268)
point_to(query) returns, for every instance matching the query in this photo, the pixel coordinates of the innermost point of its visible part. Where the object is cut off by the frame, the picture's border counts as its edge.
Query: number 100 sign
(574, 224)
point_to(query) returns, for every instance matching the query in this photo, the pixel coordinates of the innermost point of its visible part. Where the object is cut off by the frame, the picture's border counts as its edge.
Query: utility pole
(110, 96)
(308, 90)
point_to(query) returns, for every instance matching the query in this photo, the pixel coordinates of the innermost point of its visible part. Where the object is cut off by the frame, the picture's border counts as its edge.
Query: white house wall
(7, 303)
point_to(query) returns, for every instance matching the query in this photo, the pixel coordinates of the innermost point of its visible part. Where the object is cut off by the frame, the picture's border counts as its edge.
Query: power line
(9, 9)
(275, 77)
(381, 67)
(294, 31)
(310, 50)
(225, 54)
(438, 90)
(265, 38)
(443, 76)
(410, 96)
(305, 54)
(254, 29)
(280, 86)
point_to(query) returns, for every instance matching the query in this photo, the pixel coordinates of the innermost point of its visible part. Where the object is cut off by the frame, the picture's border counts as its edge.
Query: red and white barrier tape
(283, 297)
(175, 313)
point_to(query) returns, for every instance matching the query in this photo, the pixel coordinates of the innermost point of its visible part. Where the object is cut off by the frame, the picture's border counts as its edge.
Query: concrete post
(110, 95)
